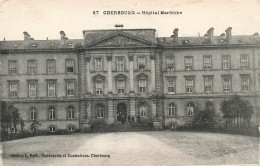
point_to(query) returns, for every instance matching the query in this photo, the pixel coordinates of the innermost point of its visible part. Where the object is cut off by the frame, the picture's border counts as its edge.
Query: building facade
(127, 75)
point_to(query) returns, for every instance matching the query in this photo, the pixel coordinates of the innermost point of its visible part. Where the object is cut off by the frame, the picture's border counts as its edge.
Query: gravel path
(136, 148)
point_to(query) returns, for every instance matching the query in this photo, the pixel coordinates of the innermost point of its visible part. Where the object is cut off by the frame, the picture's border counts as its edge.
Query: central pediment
(120, 39)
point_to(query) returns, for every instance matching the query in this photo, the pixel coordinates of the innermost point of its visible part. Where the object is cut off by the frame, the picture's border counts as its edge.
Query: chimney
(222, 34)
(63, 35)
(210, 34)
(175, 35)
(228, 33)
(256, 34)
(26, 36)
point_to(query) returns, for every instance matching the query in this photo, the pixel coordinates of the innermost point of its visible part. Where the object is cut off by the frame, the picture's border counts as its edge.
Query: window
(71, 112)
(141, 63)
(120, 86)
(244, 61)
(51, 66)
(226, 62)
(189, 85)
(142, 86)
(207, 62)
(188, 63)
(208, 84)
(100, 111)
(171, 110)
(33, 114)
(69, 65)
(170, 65)
(120, 64)
(99, 87)
(70, 88)
(52, 129)
(143, 110)
(227, 84)
(1, 65)
(245, 83)
(171, 87)
(98, 64)
(51, 89)
(14, 130)
(32, 89)
(190, 110)
(13, 67)
(52, 114)
(13, 89)
(71, 128)
(32, 66)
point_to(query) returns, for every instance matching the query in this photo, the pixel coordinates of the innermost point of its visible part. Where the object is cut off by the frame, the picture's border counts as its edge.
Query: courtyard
(132, 148)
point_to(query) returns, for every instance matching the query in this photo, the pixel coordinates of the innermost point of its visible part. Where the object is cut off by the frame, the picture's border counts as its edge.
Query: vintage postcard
(129, 83)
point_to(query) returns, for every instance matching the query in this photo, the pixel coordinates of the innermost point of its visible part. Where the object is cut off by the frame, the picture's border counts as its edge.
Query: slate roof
(148, 35)
(217, 40)
(40, 44)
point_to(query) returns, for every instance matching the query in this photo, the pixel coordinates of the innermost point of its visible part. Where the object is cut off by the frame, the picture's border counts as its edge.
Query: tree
(5, 118)
(237, 112)
(205, 118)
(35, 125)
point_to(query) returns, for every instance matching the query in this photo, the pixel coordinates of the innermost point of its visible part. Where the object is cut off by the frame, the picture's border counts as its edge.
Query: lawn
(141, 148)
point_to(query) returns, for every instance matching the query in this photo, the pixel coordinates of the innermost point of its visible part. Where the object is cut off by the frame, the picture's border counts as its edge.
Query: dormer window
(141, 63)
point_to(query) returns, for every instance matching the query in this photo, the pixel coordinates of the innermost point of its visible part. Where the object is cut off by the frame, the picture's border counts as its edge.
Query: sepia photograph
(129, 83)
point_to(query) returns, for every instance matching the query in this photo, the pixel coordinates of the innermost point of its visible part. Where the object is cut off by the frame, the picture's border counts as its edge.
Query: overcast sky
(45, 18)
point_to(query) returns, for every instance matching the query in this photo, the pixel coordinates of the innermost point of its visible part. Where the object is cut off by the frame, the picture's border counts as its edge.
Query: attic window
(240, 41)
(15, 45)
(186, 42)
(70, 44)
(222, 41)
(52, 44)
(34, 45)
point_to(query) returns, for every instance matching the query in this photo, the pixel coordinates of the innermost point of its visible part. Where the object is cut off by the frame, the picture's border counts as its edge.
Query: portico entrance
(121, 113)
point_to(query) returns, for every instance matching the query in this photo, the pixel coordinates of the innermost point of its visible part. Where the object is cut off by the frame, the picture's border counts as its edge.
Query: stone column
(89, 114)
(132, 107)
(89, 89)
(152, 59)
(109, 73)
(110, 119)
(131, 73)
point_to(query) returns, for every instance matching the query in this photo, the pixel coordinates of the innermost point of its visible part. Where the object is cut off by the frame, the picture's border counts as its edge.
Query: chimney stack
(256, 34)
(210, 34)
(175, 35)
(63, 35)
(228, 33)
(222, 34)
(26, 36)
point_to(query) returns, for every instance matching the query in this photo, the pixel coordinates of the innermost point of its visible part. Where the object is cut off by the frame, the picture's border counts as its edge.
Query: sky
(46, 18)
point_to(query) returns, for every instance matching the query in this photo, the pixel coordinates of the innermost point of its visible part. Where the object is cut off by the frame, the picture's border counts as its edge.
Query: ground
(134, 148)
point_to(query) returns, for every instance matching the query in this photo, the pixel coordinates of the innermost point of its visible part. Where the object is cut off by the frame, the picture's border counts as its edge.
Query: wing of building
(127, 75)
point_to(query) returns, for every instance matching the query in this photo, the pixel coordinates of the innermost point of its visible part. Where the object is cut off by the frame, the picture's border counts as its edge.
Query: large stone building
(122, 75)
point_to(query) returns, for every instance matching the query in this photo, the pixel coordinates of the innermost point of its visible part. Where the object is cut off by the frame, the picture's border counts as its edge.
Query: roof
(40, 44)
(216, 40)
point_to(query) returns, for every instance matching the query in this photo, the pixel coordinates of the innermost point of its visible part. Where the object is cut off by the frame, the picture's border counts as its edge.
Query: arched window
(172, 110)
(71, 112)
(190, 109)
(100, 111)
(143, 110)
(33, 113)
(52, 113)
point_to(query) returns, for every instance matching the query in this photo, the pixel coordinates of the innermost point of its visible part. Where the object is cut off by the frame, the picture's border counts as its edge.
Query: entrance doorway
(121, 113)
